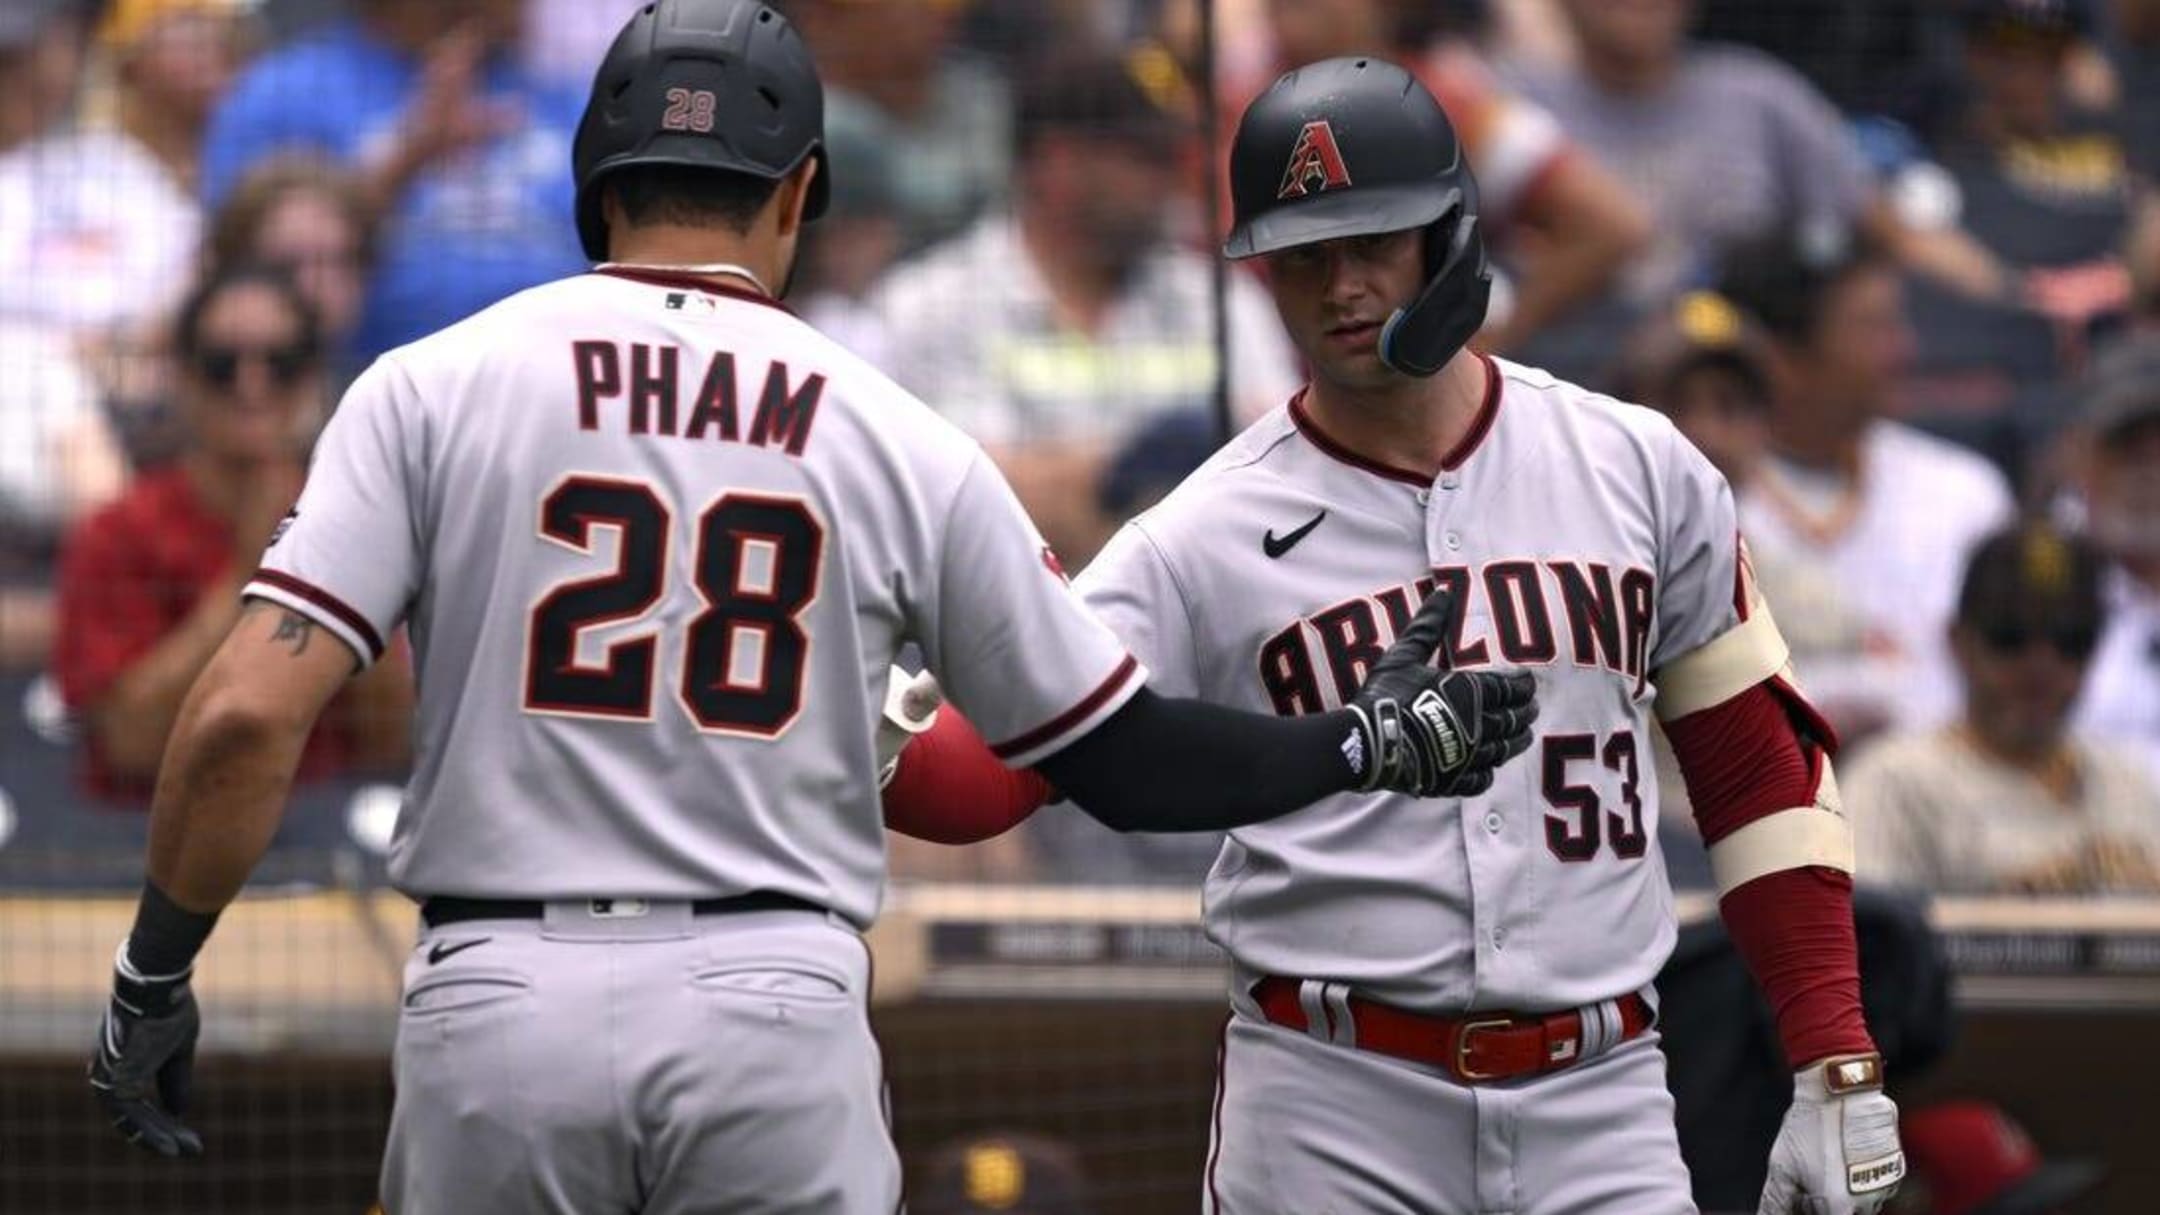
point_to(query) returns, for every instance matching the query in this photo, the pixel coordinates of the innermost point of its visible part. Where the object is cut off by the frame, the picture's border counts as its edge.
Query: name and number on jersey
(755, 558)
(1317, 663)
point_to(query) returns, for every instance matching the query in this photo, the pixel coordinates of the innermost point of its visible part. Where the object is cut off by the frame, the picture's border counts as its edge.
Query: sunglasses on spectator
(2074, 643)
(220, 365)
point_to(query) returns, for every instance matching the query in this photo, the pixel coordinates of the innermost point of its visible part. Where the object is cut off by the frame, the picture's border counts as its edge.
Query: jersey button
(1453, 541)
(1424, 497)
(1449, 482)
(1492, 822)
(1499, 938)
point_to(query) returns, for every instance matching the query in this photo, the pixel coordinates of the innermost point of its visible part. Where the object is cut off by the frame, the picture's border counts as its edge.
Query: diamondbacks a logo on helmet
(1315, 163)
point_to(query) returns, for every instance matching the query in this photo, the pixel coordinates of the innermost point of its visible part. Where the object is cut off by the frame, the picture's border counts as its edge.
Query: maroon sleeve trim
(1049, 731)
(328, 602)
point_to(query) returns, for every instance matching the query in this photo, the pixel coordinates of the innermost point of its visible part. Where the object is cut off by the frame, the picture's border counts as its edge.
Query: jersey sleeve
(348, 557)
(1131, 588)
(1715, 634)
(1007, 635)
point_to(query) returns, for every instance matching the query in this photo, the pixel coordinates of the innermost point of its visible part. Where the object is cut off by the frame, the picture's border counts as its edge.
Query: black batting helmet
(1356, 147)
(712, 84)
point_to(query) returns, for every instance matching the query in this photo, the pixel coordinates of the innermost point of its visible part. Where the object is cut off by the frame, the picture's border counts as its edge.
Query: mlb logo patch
(684, 301)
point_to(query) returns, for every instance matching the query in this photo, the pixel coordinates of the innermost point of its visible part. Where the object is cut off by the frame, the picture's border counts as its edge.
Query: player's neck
(1411, 423)
(699, 252)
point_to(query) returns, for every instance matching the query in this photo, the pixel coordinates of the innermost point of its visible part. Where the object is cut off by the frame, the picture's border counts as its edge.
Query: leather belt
(453, 909)
(1475, 1049)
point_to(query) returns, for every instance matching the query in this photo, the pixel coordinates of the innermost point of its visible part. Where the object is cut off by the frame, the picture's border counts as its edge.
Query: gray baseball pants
(1307, 1127)
(654, 1063)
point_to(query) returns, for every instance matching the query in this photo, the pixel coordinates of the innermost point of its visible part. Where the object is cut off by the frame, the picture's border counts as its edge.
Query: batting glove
(911, 706)
(1437, 733)
(1838, 1152)
(146, 1047)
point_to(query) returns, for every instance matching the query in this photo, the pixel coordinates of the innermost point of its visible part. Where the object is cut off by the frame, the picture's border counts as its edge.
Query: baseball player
(656, 542)
(1446, 1006)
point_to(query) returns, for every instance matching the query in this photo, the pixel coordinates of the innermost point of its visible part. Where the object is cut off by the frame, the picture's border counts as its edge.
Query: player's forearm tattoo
(295, 628)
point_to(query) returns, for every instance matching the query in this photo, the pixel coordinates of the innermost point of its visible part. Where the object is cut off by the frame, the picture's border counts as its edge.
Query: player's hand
(145, 1059)
(1838, 1152)
(1437, 733)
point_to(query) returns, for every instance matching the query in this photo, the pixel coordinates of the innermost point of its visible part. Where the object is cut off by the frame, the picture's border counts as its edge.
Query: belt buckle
(1463, 1038)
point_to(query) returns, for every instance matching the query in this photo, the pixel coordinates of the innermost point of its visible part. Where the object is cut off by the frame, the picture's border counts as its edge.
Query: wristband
(166, 936)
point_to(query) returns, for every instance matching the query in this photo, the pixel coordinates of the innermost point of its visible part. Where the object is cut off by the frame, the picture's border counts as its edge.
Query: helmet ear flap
(1419, 339)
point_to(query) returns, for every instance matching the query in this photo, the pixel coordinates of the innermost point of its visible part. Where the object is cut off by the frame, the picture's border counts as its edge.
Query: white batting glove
(911, 705)
(1838, 1152)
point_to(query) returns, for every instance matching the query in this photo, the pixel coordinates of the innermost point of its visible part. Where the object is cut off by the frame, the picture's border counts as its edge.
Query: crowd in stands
(1894, 265)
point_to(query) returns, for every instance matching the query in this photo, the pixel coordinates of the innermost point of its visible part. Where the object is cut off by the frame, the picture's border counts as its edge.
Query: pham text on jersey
(643, 387)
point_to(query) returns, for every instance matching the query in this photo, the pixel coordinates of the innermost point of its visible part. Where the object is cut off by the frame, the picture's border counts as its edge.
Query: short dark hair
(691, 195)
(188, 321)
(1785, 281)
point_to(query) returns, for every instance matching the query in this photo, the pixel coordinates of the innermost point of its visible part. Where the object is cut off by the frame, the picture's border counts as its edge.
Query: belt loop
(1601, 1028)
(1336, 996)
(1319, 1020)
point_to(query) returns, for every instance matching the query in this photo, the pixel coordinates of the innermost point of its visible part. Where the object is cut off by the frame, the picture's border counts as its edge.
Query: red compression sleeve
(1761, 752)
(949, 788)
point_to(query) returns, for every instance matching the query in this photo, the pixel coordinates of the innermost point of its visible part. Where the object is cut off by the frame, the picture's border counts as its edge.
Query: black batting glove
(143, 1069)
(1434, 733)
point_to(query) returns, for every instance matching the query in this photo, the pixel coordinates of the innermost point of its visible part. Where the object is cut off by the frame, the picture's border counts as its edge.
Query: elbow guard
(1815, 834)
(1755, 753)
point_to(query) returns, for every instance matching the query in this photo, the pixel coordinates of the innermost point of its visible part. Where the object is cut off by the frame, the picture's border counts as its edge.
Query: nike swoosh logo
(443, 949)
(1276, 547)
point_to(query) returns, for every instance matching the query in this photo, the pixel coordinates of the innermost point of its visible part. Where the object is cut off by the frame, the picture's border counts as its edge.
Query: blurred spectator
(311, 220)
(893, 78)
(2121, 500)
(1707, 366)
(2048, 189)
(2134, 52)
(1727, 146)
(1887, 512)
(847, 252)
(172, 60)
(464, 154)
(1882, 58)
(566, 39)
(94, 232)
(1562, 225)
(58, 461)
(2007, 800)
(1970, 1158)
(1003, 1173)
(150, 585)
(1054, 332)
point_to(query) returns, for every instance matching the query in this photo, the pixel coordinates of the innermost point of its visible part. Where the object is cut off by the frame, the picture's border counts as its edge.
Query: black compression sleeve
(1164, 764)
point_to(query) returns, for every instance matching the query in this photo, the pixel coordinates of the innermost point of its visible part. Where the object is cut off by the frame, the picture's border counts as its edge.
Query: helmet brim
(1332, 216)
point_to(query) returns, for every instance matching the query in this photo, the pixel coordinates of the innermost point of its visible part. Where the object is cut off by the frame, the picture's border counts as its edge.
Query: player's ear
(794, 195)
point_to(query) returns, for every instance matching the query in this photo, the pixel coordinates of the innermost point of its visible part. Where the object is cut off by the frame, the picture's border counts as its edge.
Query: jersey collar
(692, 282)
(1480, 426)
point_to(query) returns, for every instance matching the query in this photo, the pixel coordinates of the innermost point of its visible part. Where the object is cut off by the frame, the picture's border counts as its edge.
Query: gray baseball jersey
(1592, 545)
(657, 545)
